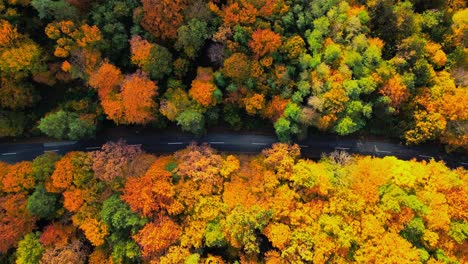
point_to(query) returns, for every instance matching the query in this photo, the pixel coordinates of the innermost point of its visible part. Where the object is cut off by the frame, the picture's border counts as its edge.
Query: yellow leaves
(278, 234)
(95, 231)
(254, 104)
(430, 238)
(229, 166)
(436, 54)
(389, 248)
(427, 126)
(402, 174)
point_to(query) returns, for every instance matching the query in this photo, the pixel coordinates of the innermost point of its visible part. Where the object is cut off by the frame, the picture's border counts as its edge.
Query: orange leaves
(396, 91)
(157, 236)
(70, 36)
(62, 176)
(56, 235)
(106, 79)
(138, 93)
(162, 18)
(202, 92)
(151, 192)
(134, 104)
(254, 104)
(18, 178)
(279, 234)
(15, 220)
(203, 87)
(140, 49)
(264, 41)
(8, 34)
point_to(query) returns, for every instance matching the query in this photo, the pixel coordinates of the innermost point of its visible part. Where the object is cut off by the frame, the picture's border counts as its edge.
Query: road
(313, 147)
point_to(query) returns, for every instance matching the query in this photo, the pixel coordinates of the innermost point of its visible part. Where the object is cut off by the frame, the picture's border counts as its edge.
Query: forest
(122, 205)
(378, 67)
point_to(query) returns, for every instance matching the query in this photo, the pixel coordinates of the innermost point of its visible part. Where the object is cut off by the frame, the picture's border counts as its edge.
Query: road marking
(463, 163)
(135, 145)
(93, 148)
(52, 150)
(340, 148)
(261, 144)
(383, 151)
(216, 142)
(9, 153)
(175, 143)
(424, 156)
(380, 151)
(303, 146)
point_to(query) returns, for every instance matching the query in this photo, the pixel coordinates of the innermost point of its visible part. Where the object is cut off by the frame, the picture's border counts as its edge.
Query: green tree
(191, 37)
(192, 121)
(12, 124)
(58, 10)
(44, 165)
(66, 125)
(42, 204)
(283, 129)
(159, 62)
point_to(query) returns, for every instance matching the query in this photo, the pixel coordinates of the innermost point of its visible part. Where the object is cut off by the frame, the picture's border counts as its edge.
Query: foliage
(66, 125)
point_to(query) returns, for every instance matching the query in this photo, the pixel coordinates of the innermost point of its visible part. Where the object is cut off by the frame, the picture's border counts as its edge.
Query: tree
(59, 10)
(155, 237)
(283, 129)
(138, 94)
(162, 18)
(237, 67)
(191, 120)
(12, 124)
(396, 91)
(70, 253)
(20, 60)
(42, 204)
(154, 59)
(106, 79)
(17, 96)
(15, 220)
(29, 250)
(264, 42)
(66, 125)
(203, 89)
(18, 178)
(109, 162)
(44, 165)
(191, 37)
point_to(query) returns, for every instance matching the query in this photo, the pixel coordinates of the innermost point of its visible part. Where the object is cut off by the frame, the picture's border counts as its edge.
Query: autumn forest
(391, 69)
(122, 205)
(382, 67)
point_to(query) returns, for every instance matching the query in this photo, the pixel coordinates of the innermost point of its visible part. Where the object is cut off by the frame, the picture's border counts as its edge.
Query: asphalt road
(313, 147)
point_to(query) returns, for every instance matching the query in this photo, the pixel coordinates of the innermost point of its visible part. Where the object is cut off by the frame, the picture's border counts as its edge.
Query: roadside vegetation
(122, 205)
(384, 67)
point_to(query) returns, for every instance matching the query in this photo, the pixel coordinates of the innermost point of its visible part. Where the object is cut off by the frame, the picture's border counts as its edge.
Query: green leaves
(66, 125)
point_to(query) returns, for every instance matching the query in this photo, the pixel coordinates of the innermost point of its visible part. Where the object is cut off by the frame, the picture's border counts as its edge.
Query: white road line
(52, 150)
(93, 148)
(261, 144)
(9, 153)
(175, 143)
(303, 146)
(135, 145)
(424, 156)
(383, 151)
(463, 163)
(340, 148)
(216, 142)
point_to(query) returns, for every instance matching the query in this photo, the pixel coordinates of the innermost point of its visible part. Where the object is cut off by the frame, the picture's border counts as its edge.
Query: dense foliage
(387, 67)
(200, 206)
